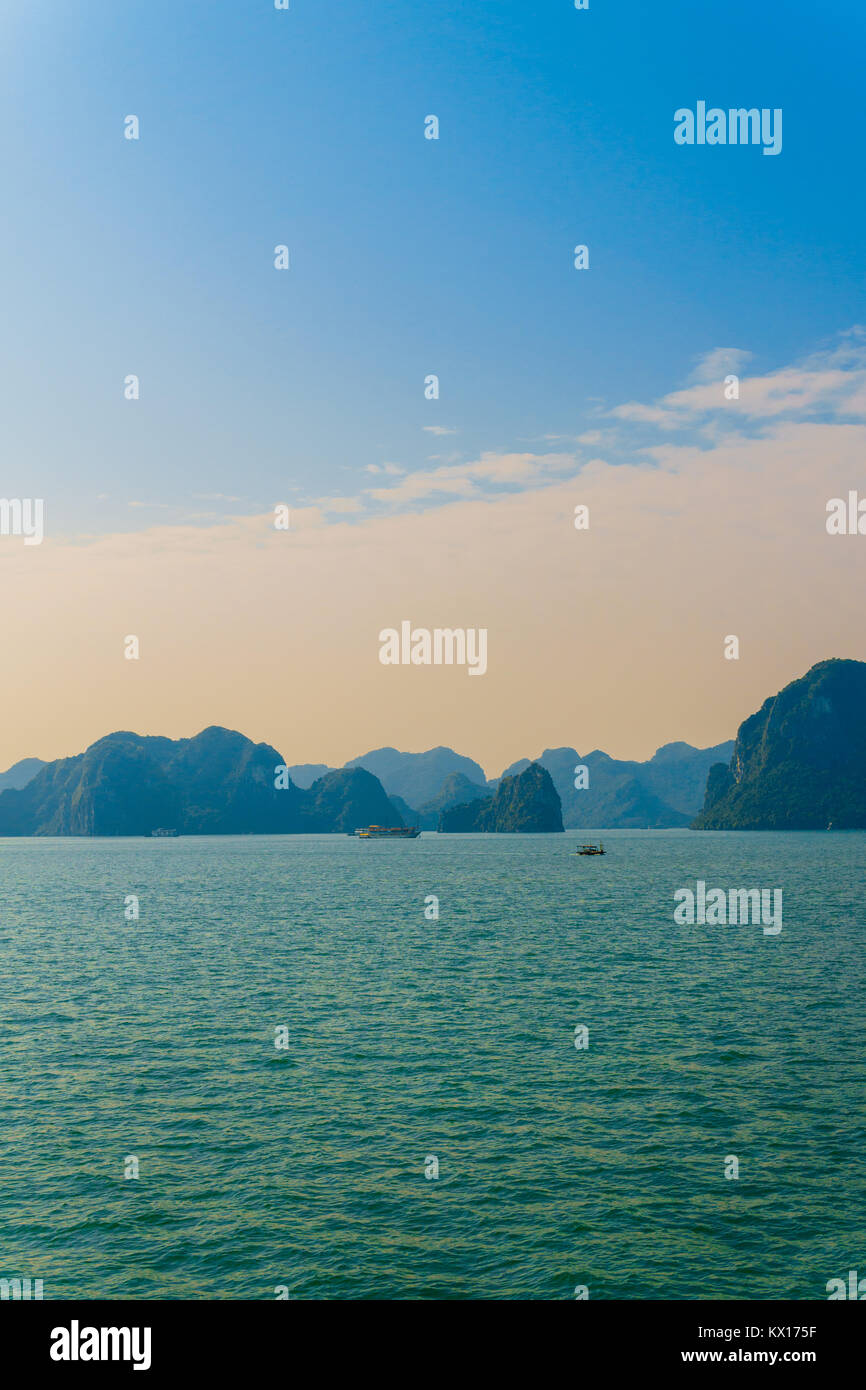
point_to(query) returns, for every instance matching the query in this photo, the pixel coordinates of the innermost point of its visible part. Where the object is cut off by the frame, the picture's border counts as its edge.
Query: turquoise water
(411, 1038)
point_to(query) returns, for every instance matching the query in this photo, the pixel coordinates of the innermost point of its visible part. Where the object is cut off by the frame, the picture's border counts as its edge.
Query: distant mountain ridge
(217, 783)
(305, 774)
(20, 773)
(664, 792)
(418, 777)
(419, 784)
(525, 803)
(667, 790)
(455, 791)
(799, 763)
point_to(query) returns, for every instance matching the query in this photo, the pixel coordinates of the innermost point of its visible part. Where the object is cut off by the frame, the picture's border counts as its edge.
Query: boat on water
(590, 849)
(388, 832)
(162, 834)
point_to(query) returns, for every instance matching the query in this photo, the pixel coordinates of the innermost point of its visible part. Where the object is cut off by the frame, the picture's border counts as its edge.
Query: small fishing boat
(590, 849)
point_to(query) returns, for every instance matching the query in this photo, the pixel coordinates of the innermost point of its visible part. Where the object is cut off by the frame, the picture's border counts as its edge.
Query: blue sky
(408, 256)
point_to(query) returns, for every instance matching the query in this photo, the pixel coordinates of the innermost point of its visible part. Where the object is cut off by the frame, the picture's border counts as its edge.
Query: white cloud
(830, 383)
(643, 414)
(716, 365)
(339, 504)
(473, 479)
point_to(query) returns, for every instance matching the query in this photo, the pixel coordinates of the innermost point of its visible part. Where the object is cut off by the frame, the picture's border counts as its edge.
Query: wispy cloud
(714, 366)
(490, 472)
(339, 504)
(827, 384)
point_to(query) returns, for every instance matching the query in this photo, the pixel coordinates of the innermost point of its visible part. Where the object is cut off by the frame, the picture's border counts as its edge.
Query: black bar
(228, 1339)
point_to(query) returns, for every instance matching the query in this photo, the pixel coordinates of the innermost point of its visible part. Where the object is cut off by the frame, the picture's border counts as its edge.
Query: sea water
(300, 1171)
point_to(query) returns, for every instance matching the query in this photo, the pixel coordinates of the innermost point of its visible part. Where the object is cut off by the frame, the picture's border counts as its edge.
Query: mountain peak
(799, 762)
(525, 803)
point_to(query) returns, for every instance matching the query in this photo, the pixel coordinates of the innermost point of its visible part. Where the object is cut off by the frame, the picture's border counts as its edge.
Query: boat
(388, 832)
(161, 834)
(590, 849)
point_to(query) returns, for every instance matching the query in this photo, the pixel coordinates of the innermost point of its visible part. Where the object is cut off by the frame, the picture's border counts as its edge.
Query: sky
(557, 387)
